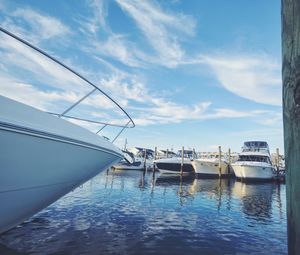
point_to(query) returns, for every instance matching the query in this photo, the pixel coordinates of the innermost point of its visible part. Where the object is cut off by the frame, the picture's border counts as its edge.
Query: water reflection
(134, 212)
(256, 198)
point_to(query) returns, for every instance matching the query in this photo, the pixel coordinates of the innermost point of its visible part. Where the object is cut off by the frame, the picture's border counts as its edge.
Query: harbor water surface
(134, 212)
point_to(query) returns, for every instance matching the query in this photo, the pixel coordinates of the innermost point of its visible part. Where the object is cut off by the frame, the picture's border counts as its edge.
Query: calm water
(132, 213)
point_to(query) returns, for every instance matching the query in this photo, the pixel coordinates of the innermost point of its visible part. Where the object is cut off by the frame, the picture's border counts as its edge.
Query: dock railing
(129, 124)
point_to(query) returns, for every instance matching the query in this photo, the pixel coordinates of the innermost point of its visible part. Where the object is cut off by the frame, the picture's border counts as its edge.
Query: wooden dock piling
(182, 161)
(145, 159)
(290, 11)
(277, 161)
(155, 157)
(220, 154)
(229, 162)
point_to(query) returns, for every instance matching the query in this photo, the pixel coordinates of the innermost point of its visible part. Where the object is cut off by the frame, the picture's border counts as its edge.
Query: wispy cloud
(45, 26)
(35, 26)
(158, 27)
(26, 93)
(97, 20)
(254, 77)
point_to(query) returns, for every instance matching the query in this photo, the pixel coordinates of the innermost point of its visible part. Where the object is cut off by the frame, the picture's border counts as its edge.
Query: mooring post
(277, 161)
(145, 159)
(155, 157)
(290, 18)
(220, 154)
(229, 162)
(182, 160)
(167, 153)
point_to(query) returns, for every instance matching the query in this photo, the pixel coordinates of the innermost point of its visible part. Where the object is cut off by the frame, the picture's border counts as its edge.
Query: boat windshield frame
(129, 124)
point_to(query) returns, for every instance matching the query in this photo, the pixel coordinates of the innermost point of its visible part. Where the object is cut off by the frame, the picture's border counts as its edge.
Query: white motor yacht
(254, 162)
(43, 156)
(173, 165)
(176, 164)
(211, 166)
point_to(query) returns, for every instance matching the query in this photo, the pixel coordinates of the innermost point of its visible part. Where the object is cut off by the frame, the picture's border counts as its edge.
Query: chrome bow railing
(95, 88)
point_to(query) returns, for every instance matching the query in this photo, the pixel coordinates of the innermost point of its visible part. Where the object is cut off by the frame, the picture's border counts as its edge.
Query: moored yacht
(254, 162)
(176, 165)
(211, 166)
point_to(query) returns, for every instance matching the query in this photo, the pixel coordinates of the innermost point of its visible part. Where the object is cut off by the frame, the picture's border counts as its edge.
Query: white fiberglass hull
(209, 167)
(253, 171)
(38, 167)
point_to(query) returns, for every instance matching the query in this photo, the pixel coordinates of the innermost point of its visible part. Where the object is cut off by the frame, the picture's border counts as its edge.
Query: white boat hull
(42, 158)
(209, 168)
(252, 171)
(36, 172)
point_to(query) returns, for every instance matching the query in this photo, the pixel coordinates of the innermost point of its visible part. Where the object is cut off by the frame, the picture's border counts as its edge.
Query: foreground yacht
(129, 163)
(211, 166)
(254, 162)
(43, 157)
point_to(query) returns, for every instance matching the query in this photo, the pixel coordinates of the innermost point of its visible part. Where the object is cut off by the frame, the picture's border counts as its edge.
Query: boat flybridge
(43, 156)
(254, 162)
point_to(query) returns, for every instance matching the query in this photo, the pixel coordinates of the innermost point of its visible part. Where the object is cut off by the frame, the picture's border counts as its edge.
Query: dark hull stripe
(176, 167)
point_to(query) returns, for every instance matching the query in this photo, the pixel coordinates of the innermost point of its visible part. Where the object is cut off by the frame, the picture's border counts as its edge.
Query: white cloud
(98, 17)
(19, 56)
(257, 78)
(43, 26)
(28, 94)
(160, 29)
(117, 47)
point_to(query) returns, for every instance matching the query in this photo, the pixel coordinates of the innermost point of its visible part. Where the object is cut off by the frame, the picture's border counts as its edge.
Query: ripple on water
(131, 213)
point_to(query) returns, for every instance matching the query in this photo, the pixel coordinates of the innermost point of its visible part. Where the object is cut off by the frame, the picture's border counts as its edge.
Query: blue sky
(193, 73)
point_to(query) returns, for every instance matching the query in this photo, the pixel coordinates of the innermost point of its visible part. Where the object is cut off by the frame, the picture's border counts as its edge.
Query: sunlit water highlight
(130, 212)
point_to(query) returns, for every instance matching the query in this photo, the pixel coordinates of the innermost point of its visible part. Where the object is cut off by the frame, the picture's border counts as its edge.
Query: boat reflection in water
(134, 212)
(256, 198)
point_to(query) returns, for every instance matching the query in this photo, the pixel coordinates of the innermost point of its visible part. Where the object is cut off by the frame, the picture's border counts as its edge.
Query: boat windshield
(254, 158)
